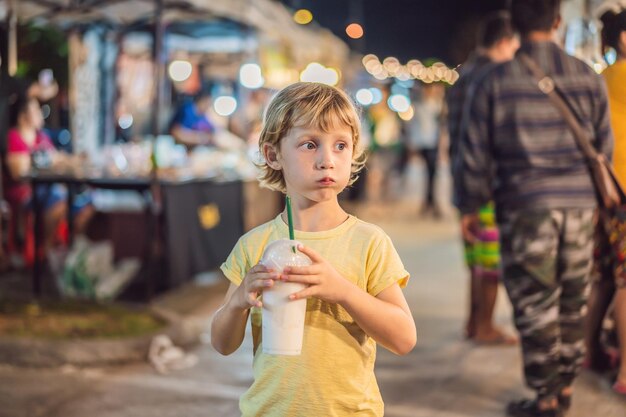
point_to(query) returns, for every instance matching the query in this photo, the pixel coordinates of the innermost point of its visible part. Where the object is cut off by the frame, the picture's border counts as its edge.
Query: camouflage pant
(547, 259)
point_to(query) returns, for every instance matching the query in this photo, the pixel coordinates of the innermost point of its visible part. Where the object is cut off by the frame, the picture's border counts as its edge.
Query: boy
(310, 144)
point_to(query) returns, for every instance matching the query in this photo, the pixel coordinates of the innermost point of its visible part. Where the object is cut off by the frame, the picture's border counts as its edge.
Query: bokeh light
(225, 105)
(125, 121)
(391, 64)
(453, 77)
(407, 115)
(369, 58)
(399, 103)
(45, 111)
(250, 76)
(599, 67)
(377, 95)
(180, 70)
(383, 75)
(64, 137)
(365, 97)
(303, 16)
(402, 73)
(317, 73)
(354, 30)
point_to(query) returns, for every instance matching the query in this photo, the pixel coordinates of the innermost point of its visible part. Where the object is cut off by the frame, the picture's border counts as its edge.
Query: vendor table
(202, 220)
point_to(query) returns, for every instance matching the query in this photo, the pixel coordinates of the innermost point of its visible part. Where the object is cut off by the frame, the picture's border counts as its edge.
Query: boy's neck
(318, 217)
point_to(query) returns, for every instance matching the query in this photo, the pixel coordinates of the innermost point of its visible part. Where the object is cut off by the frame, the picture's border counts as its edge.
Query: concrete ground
(444, 376)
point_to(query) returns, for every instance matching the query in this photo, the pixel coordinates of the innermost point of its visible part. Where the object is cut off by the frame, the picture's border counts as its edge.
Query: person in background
(247, 121)
(608, 288)
(384, 146)
(497, 43)
(26, 143)
(11, 90)
(519, 152)
(191, 125)
(423, 137)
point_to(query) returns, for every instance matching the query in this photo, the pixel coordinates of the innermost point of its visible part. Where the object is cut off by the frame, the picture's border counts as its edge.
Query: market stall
(123, 86)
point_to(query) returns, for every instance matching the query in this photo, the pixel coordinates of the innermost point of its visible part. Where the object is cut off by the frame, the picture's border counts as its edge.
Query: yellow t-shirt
(615, 77)
(334, 375)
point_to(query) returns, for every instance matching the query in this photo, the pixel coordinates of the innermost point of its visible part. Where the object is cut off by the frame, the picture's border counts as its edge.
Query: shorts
(483, 256)
(51, 195)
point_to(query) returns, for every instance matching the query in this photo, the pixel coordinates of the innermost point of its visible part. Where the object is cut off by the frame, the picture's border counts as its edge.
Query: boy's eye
(341, 146)
(309, 145)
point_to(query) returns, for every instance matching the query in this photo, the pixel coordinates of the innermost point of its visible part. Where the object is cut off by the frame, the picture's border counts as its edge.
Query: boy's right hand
(258, 278)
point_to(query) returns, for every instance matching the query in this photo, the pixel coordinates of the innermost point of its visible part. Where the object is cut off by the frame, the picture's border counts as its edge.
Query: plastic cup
(283, 319)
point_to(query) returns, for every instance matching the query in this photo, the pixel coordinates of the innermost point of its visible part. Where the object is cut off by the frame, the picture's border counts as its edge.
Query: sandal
(530, 408)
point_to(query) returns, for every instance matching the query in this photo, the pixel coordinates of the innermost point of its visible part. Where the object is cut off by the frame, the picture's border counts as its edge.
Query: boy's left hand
(323, 280)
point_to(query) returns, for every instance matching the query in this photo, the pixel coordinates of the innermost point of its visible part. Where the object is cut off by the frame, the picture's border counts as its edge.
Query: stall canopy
(270, 18)
(262, 27)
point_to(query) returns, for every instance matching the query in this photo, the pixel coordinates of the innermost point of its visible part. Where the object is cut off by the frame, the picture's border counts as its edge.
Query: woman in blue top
(190, 125)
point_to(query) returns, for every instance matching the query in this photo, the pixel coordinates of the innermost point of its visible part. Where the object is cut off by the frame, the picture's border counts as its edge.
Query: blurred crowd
(529, 126)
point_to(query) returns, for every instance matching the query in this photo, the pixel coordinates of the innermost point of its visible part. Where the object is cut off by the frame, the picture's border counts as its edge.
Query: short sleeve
(15, 144)
(237, 264)
(44, 142)
(384, 267)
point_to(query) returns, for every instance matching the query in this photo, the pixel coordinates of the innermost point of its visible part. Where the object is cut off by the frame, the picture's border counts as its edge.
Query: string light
(369, 58)
(413, 69)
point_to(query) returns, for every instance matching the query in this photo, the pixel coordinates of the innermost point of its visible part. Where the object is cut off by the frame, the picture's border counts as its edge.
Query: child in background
(310, 142)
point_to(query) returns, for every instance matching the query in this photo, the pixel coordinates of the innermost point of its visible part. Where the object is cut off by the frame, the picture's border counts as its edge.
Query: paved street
(444, 376)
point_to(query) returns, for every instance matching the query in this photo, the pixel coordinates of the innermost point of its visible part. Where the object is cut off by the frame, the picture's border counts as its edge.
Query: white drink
(283, 319)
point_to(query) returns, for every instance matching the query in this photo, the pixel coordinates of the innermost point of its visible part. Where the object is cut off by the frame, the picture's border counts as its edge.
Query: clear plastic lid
(280, 254)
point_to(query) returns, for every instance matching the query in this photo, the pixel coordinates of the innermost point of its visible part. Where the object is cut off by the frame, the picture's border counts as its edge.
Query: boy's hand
(258, 278)
(323, 280)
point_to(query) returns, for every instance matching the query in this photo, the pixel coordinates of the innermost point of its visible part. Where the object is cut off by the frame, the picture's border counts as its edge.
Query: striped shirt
(472, 72)
(457, 94)
(518, 149)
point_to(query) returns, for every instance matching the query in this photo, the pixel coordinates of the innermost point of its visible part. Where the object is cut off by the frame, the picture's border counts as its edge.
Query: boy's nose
(326, 161)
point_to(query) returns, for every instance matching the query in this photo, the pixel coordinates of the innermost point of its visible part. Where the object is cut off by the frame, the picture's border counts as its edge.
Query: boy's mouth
(326, 181)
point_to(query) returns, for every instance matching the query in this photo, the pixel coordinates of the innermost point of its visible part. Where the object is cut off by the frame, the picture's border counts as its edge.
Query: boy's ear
(270, 153)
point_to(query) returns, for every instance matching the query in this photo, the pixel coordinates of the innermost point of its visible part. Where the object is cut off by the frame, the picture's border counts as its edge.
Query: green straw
(290, 222)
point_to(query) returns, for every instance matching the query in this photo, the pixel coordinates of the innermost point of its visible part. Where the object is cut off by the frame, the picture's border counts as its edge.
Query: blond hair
(308, 104)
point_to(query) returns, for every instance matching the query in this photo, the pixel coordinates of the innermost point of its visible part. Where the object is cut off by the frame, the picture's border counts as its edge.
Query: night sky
(405, 29)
